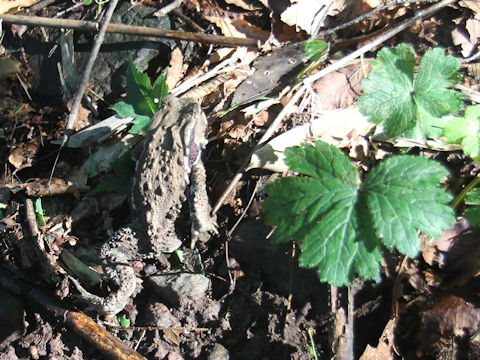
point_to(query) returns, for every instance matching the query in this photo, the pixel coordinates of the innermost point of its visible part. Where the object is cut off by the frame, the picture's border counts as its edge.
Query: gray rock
(175, 287)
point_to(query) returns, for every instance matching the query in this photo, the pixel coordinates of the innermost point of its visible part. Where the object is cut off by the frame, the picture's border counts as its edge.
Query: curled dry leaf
(175, 68)
(5, 6)
(468, 37)
(473, 5)
(41, 187)
(22, 156)
(450, 323)
(340, 88)
(385, 347)
(247, 5)
(335, 127)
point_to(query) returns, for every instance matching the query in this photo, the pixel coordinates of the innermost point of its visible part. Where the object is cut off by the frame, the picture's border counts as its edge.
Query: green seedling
(39, 212)
(123, 321)
(466, 131)
(473, 212)
(407, 105)
(342, 223)
(143, 99)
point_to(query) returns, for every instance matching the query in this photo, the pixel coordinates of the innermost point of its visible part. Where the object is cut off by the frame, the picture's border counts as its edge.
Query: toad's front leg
(202, 221)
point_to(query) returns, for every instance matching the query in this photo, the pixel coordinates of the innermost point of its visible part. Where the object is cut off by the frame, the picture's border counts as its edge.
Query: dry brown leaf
(450, 323)
(42, 187)
(6, 5)
(8, 68)
(247, 5)
(340, 88)
(384, 349)
(82, 116)
(22, 156)
(238, 28)
(175, 68)
(473, 5)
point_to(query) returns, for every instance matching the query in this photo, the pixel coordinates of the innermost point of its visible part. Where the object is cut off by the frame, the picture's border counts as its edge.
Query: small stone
(218, 352)
(175, 287)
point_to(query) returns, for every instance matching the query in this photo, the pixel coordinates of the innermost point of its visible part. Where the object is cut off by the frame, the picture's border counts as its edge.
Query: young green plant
(342, 223)
(143, 98)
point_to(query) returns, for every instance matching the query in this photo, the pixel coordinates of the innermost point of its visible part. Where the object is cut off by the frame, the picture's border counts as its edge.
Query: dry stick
(308, 82)
(72, 116)
(92, 26)
(366, 15)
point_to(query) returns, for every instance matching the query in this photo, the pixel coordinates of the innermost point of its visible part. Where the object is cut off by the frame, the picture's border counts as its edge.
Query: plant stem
(464, 192)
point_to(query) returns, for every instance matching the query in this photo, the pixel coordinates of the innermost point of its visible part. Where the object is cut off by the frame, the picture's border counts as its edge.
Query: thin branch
(72, 117)
(366, 15)
(92, 26)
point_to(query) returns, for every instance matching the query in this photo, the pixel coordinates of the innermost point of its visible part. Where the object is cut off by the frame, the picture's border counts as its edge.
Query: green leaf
(319, 212)
(123, 321)
(473, 197)
(340, 223)
(466, 130)
(403, 197)
(473, 213)
(123, 109)
(138, 89)
(39, 212)
(140, 124)
(160, 88)
(316, 52)
(394, 99)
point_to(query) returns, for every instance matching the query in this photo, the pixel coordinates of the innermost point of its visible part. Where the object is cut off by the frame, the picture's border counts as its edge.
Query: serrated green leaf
(123, 109)
(140, 124)
(138, 88)
(340, 224)
(466, 130)
(318, 211)
(394, 99)
(403, 197)
(473, 197)
(160, 87)
(473, 215)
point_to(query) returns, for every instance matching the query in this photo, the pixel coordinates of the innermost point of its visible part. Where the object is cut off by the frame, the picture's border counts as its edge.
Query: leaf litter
(227, 156)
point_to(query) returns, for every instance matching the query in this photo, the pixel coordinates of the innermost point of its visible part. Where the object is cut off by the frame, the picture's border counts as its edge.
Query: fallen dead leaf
(41, 187)
(247, 5)
(384, 349)
(22, 156)
(450, 323)
(473, 5)
(309, 15)
(8, 68)
(340, 88)
(82, 116)
(175, 68)
(7, 5)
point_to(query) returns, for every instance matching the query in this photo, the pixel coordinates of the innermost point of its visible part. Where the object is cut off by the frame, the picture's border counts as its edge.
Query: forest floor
(258, 304)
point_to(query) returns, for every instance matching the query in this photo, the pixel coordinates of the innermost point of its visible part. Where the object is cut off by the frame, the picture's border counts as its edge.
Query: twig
(309, 80)
(72, 117)
(81, 324)
(40, 5)
(366, 15)
(168, 8)
(92, 26)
